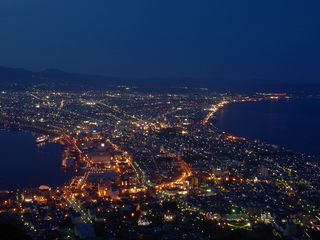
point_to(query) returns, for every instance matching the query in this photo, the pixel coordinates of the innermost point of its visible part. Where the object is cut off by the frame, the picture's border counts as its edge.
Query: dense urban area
(153, 165)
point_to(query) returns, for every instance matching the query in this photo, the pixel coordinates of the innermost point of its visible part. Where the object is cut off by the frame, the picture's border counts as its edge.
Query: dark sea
(24, 164)
(294, 124)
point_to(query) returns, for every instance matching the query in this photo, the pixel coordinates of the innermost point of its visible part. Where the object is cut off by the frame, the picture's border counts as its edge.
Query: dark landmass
(9, 231)
(18, 78)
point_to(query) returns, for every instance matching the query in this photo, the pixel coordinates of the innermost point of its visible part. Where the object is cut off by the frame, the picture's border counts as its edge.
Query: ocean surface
(294, 124)
(24, 164)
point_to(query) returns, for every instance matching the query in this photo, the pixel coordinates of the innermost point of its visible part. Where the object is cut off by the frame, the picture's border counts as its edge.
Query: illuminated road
(186, 172)
(214, 108)
(85, 217)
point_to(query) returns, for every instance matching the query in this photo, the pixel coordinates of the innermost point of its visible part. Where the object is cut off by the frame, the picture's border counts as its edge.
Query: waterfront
(24, 164)
(280, 122)
(147, 160)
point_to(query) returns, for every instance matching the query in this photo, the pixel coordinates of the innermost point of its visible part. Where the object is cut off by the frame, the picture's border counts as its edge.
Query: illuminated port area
(155, 166)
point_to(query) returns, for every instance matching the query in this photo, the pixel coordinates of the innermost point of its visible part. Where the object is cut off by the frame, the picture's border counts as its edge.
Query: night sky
(274, 40)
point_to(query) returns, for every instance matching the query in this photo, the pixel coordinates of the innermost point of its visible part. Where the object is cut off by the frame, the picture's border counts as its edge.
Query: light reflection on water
(293, 124)
(25, 163)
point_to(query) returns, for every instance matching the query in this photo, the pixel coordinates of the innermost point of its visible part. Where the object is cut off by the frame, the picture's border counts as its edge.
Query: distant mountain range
(50, 78)
(17, 78)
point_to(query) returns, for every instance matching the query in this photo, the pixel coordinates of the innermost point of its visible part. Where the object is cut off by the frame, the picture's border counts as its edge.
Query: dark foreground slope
(12, 232)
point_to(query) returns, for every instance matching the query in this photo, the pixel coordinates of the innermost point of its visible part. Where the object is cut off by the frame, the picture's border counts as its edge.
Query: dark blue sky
(270, 39)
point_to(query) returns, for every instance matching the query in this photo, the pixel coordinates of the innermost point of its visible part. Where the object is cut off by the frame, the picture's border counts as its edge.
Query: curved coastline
(36, 166)
(242, 129)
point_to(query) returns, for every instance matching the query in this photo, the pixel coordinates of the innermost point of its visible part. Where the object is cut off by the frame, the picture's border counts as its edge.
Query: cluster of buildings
(155, 166)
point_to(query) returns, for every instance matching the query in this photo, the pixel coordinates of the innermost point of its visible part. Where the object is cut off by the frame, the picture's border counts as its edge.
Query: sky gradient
(272, 40)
